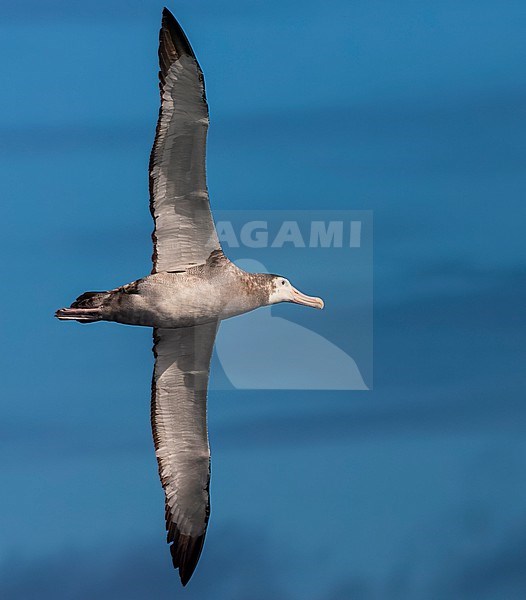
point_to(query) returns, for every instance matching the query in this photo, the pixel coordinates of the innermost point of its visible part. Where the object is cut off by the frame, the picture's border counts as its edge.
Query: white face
(283, 291)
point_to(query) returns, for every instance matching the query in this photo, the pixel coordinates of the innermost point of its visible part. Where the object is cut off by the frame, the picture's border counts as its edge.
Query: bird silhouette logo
(262, 351)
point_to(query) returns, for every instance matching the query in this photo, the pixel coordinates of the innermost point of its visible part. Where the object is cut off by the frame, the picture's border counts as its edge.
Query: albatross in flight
(192, 287)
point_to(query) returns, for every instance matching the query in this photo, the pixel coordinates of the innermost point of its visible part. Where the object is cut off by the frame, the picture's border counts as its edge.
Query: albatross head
(281, 290)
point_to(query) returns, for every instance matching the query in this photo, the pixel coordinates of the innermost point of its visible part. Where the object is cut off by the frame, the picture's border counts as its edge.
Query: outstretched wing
(184, 232)
(179, 386)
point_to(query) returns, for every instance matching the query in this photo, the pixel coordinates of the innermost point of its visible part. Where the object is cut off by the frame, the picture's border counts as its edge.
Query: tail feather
(89, 300)
(83, 315)
(85, 309)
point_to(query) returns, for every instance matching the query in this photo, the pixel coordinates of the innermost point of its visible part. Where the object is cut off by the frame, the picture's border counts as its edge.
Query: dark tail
(85, 309)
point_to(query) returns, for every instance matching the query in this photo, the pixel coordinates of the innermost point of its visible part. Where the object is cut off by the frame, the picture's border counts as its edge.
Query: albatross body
(211, 291)
(192, 287)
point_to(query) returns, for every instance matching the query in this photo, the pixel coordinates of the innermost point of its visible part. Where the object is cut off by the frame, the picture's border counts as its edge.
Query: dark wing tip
(173, 42)
(185, 551)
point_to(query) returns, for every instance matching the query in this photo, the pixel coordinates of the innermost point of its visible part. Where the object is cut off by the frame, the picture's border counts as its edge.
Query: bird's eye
(282, 282)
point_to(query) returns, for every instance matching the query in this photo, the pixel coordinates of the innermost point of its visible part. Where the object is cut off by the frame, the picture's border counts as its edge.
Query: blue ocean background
(414, 110)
